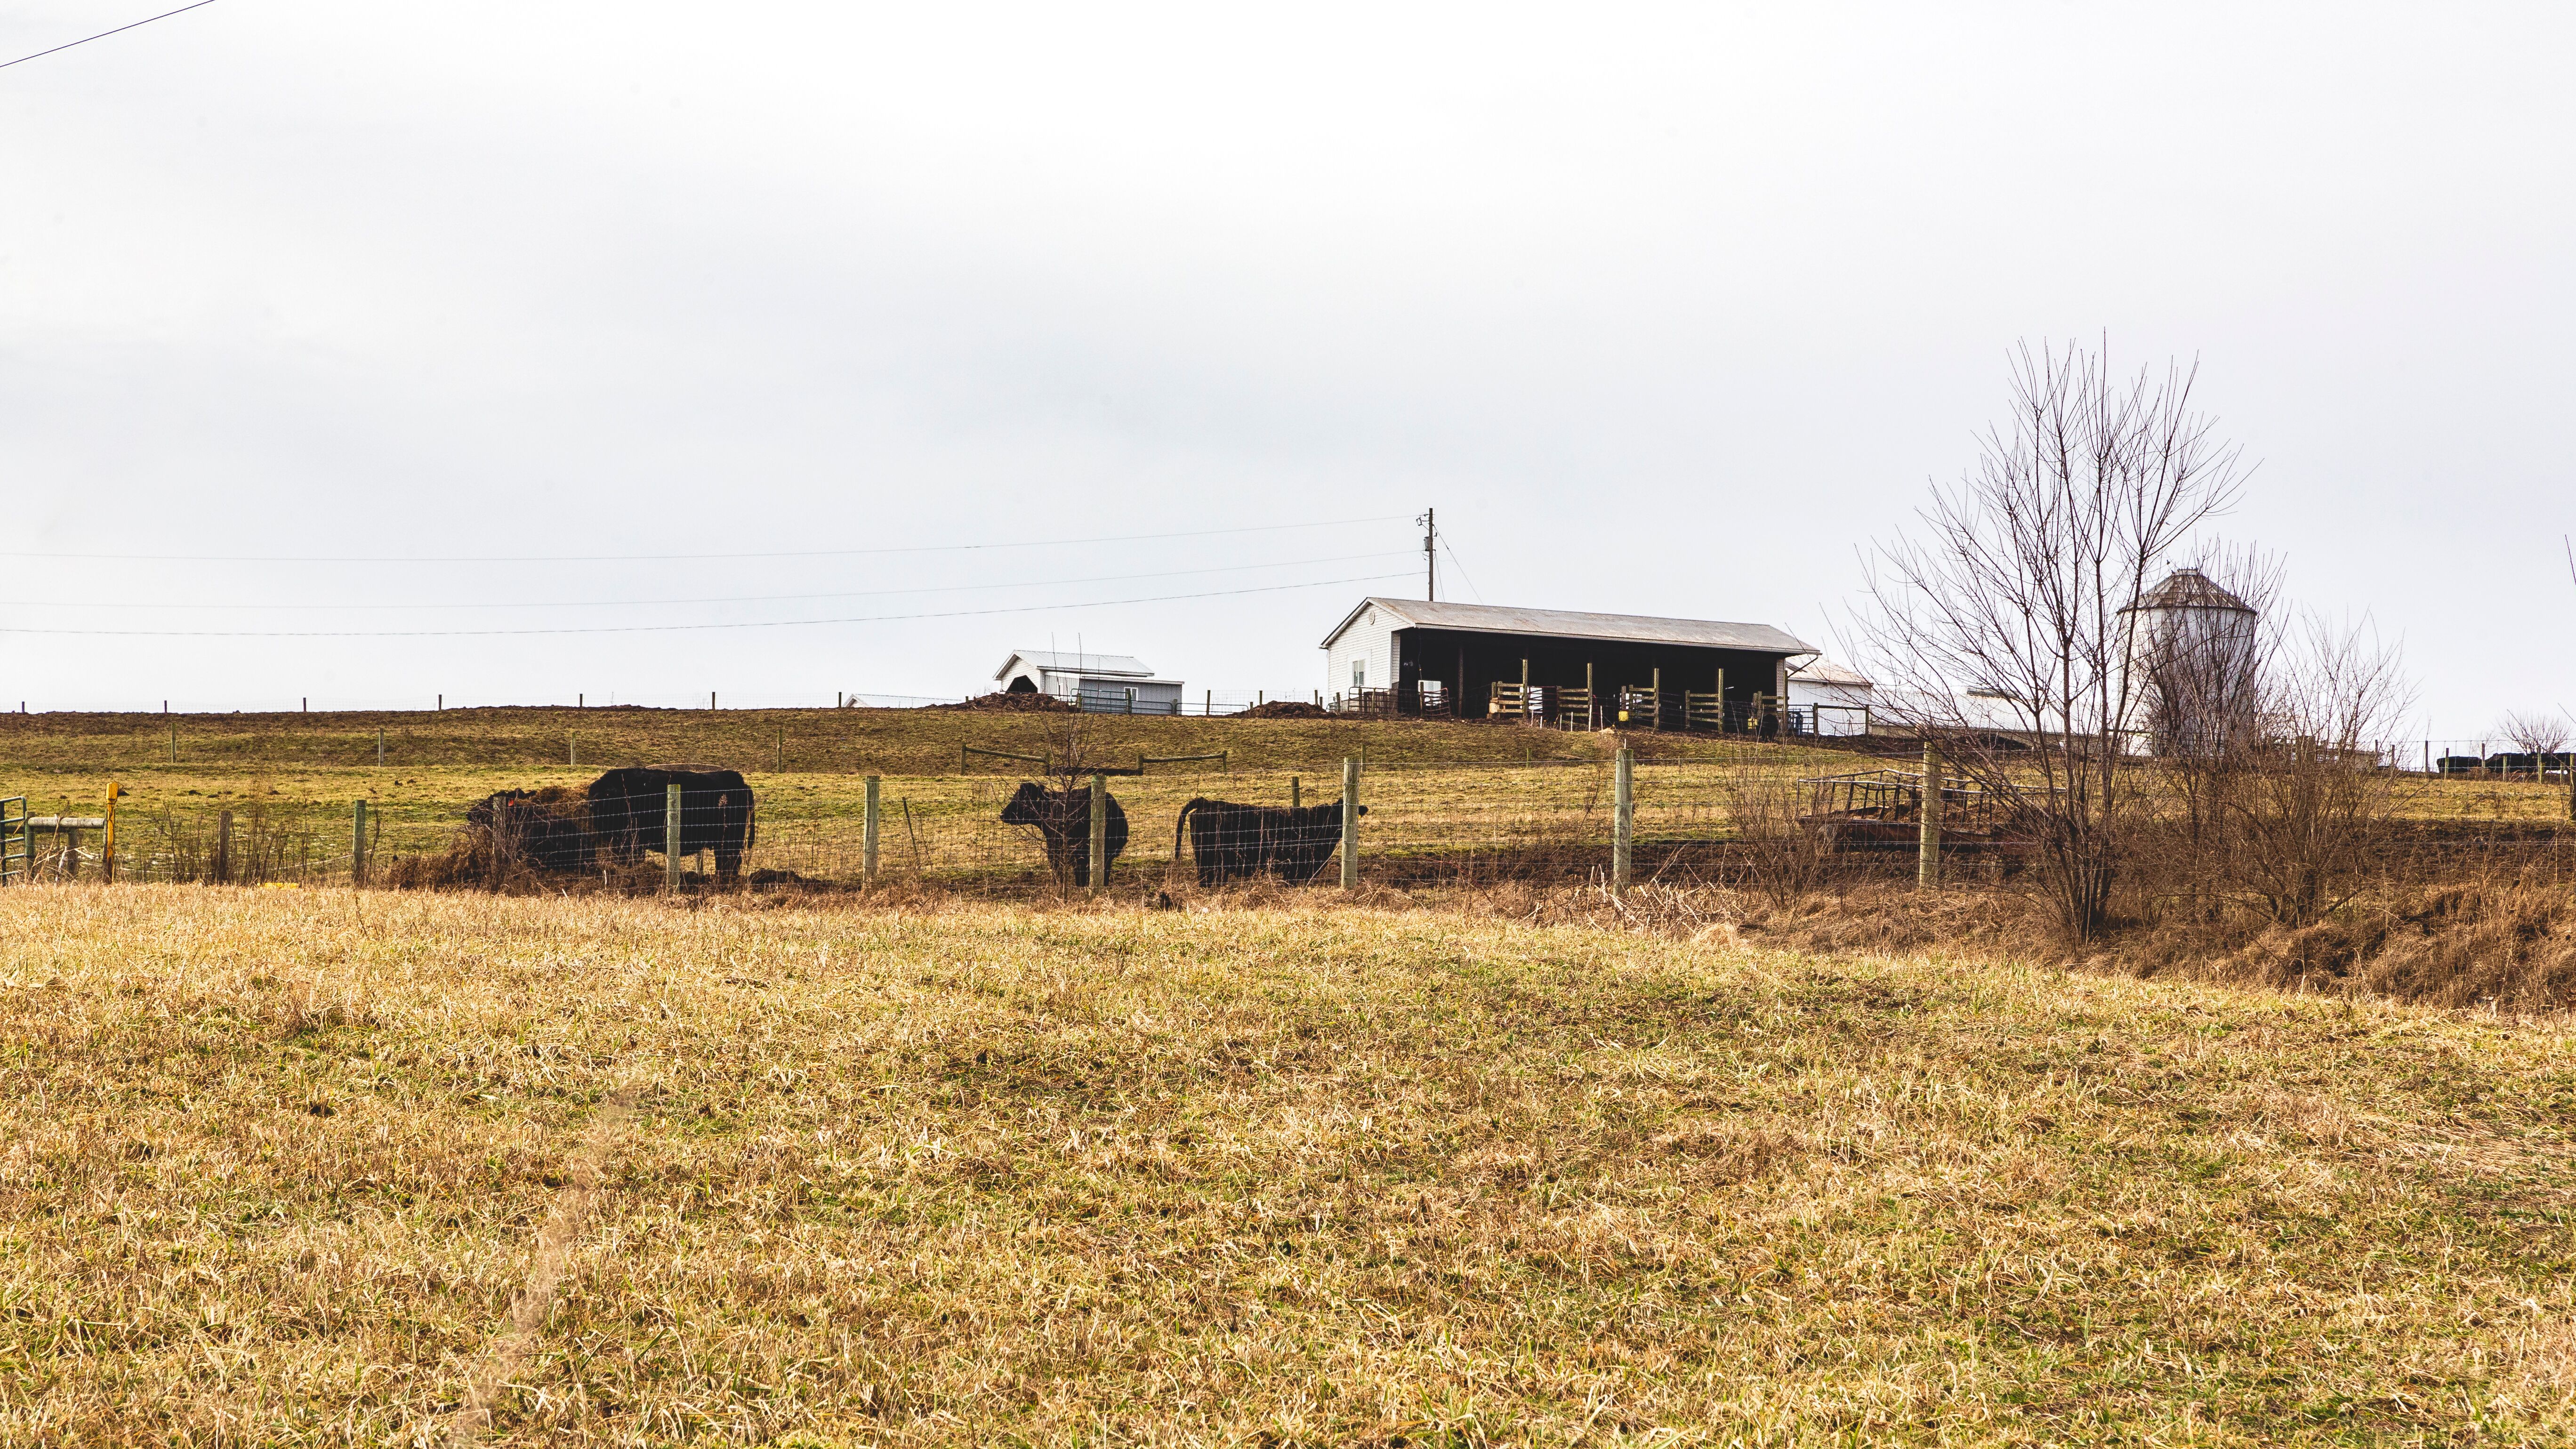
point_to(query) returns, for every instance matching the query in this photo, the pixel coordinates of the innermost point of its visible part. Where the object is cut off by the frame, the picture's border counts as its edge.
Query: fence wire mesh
(1424, 824)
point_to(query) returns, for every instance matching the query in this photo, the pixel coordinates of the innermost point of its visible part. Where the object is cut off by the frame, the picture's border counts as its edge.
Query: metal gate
(17, 844)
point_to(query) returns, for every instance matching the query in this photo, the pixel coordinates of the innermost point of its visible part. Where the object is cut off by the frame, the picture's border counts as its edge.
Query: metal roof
(1823, 671)
(1119, 664)
(1568, 624)
(2190, 589)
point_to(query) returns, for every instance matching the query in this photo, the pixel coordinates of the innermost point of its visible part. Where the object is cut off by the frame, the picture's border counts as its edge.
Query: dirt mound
(1284, 709)
(1025, 702)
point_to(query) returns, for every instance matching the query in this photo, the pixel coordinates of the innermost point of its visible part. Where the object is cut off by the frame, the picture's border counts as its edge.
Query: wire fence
(975, 832)
(990, 831)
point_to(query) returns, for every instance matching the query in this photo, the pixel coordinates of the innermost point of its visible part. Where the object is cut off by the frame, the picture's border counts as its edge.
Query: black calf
(1063, 819)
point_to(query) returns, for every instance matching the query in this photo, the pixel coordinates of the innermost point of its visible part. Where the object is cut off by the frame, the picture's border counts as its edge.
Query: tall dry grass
(281, 1167)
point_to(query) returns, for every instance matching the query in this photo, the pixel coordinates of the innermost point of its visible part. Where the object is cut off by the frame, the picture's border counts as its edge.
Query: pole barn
(1414, 658)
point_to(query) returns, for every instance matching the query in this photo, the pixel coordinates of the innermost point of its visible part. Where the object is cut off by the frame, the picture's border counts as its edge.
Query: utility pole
(1430, 556)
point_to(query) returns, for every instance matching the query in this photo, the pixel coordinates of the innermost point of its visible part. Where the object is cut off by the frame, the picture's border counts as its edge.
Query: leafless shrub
(2534, 734)
(2307, 807)
(2019, 588)
(1776, 857)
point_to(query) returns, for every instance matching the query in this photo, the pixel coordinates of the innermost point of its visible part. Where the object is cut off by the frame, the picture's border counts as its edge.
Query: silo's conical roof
(2190, 589)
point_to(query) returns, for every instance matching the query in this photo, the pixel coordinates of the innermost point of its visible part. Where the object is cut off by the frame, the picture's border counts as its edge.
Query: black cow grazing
(627, 806)
(546, 829)
(1063, 817)
(1236, 842)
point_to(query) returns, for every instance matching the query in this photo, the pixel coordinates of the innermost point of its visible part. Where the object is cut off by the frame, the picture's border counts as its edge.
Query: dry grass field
(1430, 787)
(323, 1167)
(821, 741)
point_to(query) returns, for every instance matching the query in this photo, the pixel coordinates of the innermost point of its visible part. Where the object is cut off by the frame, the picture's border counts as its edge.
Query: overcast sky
(1666, 311)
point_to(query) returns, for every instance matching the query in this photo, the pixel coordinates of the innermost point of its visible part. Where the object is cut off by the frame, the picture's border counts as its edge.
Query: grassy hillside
(865, 741)
(325, 1168)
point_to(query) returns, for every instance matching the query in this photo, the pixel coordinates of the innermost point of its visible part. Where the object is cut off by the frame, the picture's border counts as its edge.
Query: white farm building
(1098, 683)
(1832, 699)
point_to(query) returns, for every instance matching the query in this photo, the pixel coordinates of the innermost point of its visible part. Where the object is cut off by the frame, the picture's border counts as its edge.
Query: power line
(1461, 568)
(104, 34)
(673, 628)
(732, 599)
(682, 557)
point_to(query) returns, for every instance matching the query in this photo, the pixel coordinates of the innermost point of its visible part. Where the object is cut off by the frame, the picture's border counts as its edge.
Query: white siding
(1366, 642)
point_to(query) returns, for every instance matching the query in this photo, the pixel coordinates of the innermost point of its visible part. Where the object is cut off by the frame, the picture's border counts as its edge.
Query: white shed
(1834, 699)
(1099, 683)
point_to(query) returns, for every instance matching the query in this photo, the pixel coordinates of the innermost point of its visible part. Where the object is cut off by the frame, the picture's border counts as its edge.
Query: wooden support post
(1525, 709)
(1099, 871)
(1927, 863)
(572, 751)
(358, 844)
(868, 832)
(671, 836)
(1623, 818)
(223, 847)
(1591, 701)
(107, 836)
(1657, 685)
(1350, 824)
(1293, 801)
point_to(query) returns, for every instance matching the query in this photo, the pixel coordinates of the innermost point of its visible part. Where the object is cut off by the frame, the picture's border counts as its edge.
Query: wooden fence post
(358, 844)
(868, 833)
(107, 836)
(1623, 818)
(1293, 801)
(1927, 862)
(1099, 871)
(671, 836)
(1350, 824)
(223, 847)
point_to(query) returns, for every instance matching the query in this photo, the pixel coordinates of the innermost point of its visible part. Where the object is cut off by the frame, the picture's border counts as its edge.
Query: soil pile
(1284, 709)
(1025, 702)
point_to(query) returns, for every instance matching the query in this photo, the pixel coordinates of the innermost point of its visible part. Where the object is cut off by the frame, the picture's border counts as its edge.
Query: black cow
(627, 806)
(1236, 842)
(1063, 817)
(547, 829)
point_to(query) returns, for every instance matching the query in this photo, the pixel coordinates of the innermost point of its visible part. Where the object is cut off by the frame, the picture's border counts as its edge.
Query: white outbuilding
(1098, 683)
(1829, 698)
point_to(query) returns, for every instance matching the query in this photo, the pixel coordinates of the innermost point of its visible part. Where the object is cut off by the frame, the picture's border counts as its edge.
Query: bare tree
(1775, 855)
(2019, 588)
(2536, 735)
(2305, 806)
